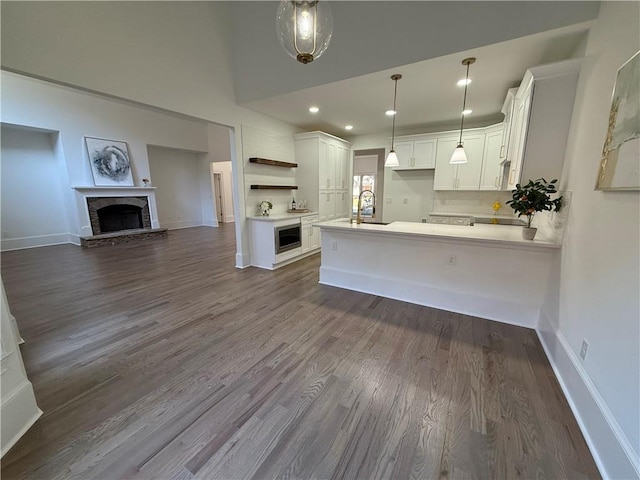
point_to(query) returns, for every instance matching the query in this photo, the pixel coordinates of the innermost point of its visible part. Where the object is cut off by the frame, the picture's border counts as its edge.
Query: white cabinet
(418, 153)
(541, 119)
(310, 234)
(491, 176)
(507, 111)
(464, 176)
(324, 173)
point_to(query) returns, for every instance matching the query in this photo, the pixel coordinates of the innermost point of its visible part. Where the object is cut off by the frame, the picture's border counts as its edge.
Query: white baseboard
(611, 450)
(7, 244)
(242, 261)
(19, 412)
(499, 309)
(182, 224)
(75, 239)
(229, 219)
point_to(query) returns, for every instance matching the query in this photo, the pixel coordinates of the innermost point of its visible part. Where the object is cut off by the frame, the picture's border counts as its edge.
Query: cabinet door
(305, 240)
(424, 153)
(468, 174)
(490, 177)
(314, 238)
(342, 167)
(327, 205)
(445, 172)
(519, 138)
(404, 150)
(331, 164)
(323, 174)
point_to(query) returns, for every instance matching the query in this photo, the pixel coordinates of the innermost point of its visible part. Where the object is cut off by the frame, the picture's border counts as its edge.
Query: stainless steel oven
(287, 238)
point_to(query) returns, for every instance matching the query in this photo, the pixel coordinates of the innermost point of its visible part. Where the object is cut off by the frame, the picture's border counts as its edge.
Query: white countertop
(476, 215)
(281, 216)
(502, 234)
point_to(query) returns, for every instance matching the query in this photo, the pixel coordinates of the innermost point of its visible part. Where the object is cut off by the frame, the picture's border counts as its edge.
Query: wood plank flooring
(159, 359)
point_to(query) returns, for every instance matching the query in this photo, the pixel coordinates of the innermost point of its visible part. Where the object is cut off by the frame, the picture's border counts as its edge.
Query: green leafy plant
(534, 197)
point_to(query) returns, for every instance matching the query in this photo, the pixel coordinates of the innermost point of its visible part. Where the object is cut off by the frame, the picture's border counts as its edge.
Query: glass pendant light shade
(459, 156)
(304, 28)
(392, 160)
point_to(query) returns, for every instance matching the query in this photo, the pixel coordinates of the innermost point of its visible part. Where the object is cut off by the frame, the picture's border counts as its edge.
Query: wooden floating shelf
(273, 163)
(274, 187)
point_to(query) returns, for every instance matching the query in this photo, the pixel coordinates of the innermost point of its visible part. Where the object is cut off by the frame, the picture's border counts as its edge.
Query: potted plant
(265, 207)
(531, 198)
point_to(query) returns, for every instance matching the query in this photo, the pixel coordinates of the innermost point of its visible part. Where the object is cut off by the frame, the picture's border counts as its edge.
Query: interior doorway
(218, 195)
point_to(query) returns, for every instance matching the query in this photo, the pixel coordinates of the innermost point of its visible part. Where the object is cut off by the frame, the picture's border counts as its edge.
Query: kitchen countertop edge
(507, 235)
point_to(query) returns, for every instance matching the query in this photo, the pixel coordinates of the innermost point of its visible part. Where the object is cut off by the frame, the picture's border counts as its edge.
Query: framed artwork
(110, 162)
(620, 164)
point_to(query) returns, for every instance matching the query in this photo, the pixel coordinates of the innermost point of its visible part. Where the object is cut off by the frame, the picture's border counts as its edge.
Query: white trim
(613, 453)
(498, 309)
(183, 224)
(23, 414)
(7, 244)
(241, 262)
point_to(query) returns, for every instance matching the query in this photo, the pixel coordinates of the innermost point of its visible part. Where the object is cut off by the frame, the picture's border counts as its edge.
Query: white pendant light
(459, 156)
(392, 158)
(304, 28)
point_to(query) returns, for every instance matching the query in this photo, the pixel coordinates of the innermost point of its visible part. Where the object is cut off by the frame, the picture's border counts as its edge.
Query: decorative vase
(529, 233)
(265, 213)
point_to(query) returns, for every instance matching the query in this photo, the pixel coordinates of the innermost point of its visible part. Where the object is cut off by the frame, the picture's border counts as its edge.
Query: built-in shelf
(274, 187)
(273, 163)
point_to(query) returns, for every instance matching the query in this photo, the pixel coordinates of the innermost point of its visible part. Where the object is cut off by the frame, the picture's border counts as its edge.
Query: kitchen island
(487, 271)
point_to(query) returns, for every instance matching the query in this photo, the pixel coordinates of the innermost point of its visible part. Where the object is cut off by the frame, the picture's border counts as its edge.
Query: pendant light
(392, 158)
(304, 28)
(459, 156)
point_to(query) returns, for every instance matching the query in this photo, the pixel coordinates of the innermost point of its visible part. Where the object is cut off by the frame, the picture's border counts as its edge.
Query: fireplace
(114, 214)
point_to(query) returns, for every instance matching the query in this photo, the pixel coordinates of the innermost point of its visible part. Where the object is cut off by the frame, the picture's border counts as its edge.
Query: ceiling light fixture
(392, 158)
(348, 127)
(463, 82)
(467, 111)
(314, 109)
(390, 113)
(304, 28)
(459, 156)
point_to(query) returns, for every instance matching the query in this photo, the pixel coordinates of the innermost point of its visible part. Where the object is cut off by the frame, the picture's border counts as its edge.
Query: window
(366, 181)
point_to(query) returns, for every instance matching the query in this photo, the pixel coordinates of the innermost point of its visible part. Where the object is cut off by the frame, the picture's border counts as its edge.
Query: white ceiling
(428, 97)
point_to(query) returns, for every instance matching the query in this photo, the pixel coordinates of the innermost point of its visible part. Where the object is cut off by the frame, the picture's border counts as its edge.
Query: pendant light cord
(464, 103)
(393, 123)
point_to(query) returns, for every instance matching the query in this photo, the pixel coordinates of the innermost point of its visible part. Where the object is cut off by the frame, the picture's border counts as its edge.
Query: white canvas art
(110, 163)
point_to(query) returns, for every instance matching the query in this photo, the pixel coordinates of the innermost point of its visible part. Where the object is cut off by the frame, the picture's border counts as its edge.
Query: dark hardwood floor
(159, 359)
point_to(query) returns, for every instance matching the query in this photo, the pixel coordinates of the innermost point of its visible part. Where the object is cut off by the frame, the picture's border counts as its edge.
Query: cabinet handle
(502, 151)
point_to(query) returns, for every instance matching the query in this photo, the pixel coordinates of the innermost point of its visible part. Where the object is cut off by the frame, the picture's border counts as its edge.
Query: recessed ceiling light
(314, 109)
(466, 112)
(463, 82)
(390, 113)
(348, 127)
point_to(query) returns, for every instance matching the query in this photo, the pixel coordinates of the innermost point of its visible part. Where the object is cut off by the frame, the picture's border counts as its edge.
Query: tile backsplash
(472, 202)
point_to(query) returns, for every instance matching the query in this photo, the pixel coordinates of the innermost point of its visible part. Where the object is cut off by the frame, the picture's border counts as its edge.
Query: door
(217, 191)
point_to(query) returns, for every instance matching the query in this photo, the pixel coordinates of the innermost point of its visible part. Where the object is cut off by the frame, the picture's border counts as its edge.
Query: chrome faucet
(373, 211)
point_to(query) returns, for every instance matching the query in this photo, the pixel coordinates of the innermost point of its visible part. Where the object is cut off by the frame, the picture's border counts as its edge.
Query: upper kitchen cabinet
(507, 111)
(416, 152)
(324, 173)
(491, 175)
(540, 124)
(464, 176)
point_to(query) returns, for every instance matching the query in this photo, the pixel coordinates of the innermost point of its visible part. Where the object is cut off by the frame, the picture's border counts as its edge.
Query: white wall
(176, 176)
(225, 170)
(180, 49)
(594, 294)
(34, 183)
(73, 114)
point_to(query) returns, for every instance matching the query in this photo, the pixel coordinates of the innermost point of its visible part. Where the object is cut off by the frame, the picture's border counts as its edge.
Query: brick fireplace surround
(96, 203)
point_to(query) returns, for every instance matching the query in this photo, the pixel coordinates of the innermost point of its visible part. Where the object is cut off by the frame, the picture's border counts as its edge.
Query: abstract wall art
(110, 162)
(620, 164)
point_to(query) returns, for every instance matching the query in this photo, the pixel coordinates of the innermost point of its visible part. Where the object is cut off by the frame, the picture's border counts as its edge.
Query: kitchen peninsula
(487, 271)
